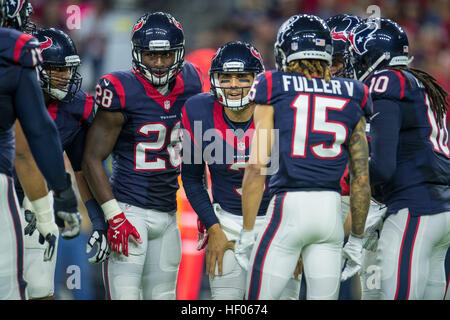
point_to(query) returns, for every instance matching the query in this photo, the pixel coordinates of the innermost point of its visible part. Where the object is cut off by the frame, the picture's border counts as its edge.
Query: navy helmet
(234, 57)
(340, 26)
(58, 51)
(303, 36)
(375, 44)
(158, 31)
(15, 14)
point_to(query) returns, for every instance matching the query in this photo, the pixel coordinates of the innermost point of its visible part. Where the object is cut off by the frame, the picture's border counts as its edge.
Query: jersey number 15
(319, 124)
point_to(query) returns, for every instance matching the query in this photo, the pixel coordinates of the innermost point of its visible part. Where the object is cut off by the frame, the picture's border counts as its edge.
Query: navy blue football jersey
(224, 149)
(315, 120)
(16, 52)
(146, 160)
(72, 120)
(421, 166)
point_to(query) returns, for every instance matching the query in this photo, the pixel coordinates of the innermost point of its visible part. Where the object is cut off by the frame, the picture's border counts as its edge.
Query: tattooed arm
(359, 178)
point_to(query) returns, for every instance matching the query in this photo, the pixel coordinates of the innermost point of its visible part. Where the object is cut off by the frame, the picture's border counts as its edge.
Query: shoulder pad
(261, 91)
(193, 74)
(386, 84)
(19, 48)
(110, 92)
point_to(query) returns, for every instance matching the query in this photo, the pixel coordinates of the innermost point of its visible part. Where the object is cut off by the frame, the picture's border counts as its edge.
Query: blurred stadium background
(103, 42)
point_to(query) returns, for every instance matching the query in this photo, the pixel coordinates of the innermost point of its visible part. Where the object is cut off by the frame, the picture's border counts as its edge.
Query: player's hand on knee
(65, 205)
(30, 217)
(99, 240)
(243, 247)
(48, 235)
(352, 257)
(119, 231)
(217, 244)
(372, 234)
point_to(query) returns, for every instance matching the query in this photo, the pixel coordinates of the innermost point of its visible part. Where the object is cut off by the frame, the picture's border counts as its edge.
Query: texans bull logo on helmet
(341, 33)
(358, 38)
(137, 26)
(46, 44)
(285, 26)
(257, 55)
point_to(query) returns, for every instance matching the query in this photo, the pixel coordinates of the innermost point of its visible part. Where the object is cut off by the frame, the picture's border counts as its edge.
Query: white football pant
(411, 254)
(150, 271)
(370, 276)
(12, 283)
(231, 285)
(307, 223)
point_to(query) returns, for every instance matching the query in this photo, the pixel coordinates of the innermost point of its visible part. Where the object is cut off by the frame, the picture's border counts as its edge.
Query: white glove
(372, 234)
(243, 247)
(74, 221)
(374, 224)
(99, 240)
(45, 223)
(352, 257)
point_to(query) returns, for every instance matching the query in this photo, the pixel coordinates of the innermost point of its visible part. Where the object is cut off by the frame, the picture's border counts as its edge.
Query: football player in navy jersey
(227, 115)
(341, 26)
(21, 98)
(409, 164)
(321, 126)
(72, 111)
(139, 120)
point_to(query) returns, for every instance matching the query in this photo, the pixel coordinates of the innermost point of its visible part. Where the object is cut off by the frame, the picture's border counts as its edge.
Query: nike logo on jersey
(373, 116)
(106, 82)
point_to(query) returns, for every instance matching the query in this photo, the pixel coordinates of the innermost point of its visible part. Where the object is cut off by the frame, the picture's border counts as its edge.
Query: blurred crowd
(209, 24)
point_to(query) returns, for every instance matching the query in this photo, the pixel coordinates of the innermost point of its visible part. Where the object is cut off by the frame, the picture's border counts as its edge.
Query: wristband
(111, 208)
(43, 208)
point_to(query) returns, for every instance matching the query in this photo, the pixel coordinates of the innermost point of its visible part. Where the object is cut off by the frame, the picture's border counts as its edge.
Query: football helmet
(303, 36)
(58, 51)
(15, 14)
(374, 44)
(340, 26)
(158, 31)
(234, 57)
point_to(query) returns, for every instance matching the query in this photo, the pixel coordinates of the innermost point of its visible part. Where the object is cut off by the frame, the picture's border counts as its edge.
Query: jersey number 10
(438, 135)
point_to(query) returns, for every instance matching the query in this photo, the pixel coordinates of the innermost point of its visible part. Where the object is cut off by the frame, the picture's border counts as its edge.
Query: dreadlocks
(438, 96)
(310, 68)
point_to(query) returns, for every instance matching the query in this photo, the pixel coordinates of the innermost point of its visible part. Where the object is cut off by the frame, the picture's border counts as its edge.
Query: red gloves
(119, 231)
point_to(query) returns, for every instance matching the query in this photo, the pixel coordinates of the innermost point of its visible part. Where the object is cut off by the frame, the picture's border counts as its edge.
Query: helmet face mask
(58, 73)
(232, 88)
(60, 82)
(233, 69)
(161, 34)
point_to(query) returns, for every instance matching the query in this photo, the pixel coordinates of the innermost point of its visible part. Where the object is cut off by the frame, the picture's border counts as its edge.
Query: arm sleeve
(40, 130)
(384, 132)
(193, 176)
